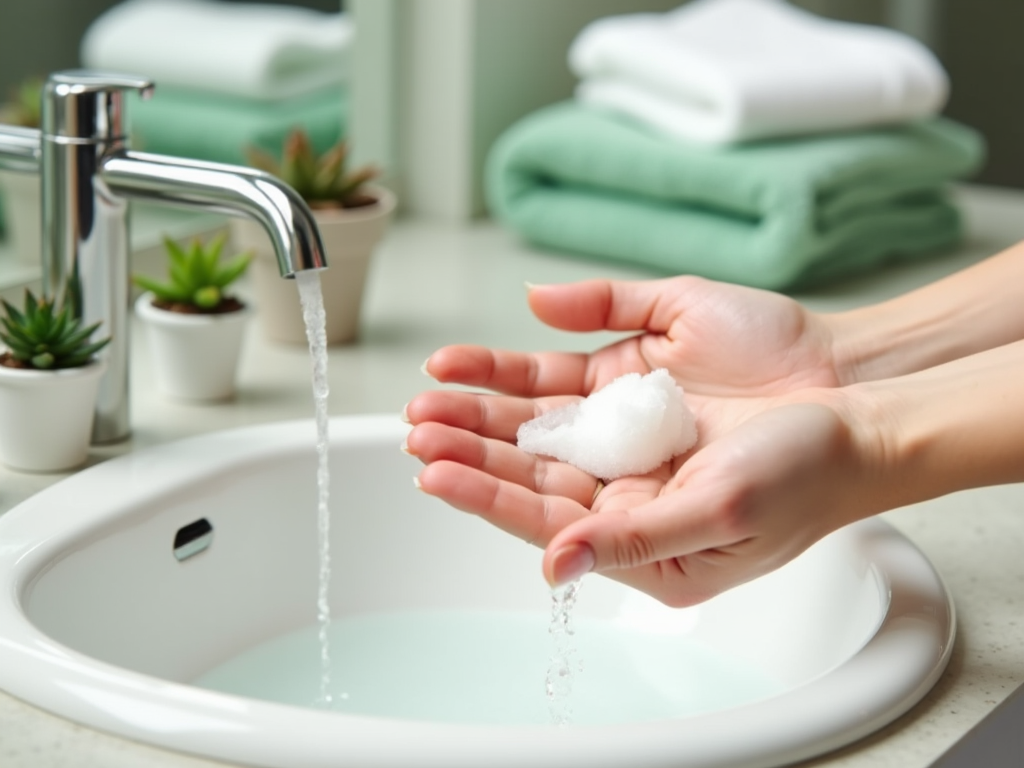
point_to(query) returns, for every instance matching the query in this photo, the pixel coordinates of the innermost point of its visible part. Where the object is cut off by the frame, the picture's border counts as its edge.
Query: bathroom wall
(980, 44)
(42, 36)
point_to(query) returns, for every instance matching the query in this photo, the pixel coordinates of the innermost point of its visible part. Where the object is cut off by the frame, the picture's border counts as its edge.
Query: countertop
(432, 284)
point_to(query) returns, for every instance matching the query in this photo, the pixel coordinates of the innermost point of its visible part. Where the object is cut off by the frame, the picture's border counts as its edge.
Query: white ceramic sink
(101, 623)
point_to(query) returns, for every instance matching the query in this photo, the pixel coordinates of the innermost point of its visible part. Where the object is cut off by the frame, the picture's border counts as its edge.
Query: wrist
(944, 429)
(873, 449)
(896, 338)
(963, 314)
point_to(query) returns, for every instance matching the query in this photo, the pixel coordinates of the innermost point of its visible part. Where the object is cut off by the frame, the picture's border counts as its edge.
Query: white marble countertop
(434, 284)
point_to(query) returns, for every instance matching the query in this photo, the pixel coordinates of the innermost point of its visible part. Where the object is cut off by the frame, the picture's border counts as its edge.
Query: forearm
(973, 310)
(955, 426)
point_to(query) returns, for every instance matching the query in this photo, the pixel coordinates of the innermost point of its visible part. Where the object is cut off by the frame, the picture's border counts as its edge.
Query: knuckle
(633, 547)
(540, 476)
(538, 536)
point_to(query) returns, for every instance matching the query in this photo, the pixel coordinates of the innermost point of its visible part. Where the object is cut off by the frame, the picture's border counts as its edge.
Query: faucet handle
(86, 105)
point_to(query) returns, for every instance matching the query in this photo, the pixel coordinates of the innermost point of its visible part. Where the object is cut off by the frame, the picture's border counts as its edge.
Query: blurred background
(976, 40)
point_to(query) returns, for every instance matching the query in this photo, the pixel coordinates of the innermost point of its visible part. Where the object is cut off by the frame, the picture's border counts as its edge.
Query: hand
(714, 338)
(746, 498)
(768, 478)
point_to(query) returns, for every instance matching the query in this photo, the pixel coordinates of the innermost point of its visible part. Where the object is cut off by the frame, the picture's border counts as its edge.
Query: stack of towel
(227, 74)
(743, 140)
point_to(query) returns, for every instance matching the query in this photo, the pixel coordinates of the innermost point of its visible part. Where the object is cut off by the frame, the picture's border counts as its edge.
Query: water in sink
(488, 668)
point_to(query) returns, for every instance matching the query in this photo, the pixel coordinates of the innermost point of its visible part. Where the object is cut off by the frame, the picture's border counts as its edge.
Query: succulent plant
(323, 180)
(197, 278)
(44, 337)
(25, 106)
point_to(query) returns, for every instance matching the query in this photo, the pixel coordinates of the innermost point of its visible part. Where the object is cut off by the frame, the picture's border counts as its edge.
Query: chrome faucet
(88, 174)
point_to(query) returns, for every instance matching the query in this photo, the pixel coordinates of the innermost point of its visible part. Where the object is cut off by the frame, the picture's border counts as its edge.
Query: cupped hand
(714, 338)
(768, 477)
(760, 486)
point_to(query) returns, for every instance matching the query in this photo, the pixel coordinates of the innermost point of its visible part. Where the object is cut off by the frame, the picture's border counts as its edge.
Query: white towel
(722, 71)
(250, 50)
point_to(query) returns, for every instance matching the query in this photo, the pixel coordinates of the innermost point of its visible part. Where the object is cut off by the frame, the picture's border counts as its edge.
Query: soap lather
(631, 426)
(88, 174)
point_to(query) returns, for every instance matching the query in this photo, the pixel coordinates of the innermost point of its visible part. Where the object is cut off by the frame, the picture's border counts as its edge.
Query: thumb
(594, 305)
(667, 527)
(579, 306)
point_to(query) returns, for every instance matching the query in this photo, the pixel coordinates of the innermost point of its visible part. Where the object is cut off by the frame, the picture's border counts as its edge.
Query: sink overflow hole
(192, 539)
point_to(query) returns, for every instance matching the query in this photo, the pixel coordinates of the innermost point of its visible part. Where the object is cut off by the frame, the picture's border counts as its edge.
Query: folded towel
(258, 51)
(207, 126)
(773, 214)
(722, 71)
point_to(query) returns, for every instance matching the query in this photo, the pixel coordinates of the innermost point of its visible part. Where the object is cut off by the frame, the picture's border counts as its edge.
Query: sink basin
(151, 597)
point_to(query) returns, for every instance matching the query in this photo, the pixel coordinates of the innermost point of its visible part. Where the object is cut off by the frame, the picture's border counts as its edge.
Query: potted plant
(351, 214)
(195, 329)
(21, 196)
(49, 377)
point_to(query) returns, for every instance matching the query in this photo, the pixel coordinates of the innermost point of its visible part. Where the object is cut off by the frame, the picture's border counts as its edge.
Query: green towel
(207, 126)
(773, 214)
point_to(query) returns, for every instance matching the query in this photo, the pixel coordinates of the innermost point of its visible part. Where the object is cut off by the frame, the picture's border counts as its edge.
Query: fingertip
(454, 363)
(412, 411)
(569, 563)
(443, 479)
(415, 443)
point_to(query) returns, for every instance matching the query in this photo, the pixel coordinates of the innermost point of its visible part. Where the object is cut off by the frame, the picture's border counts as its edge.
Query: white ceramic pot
(195, 357)
(350, 238)
(46, 416)
(22, 218)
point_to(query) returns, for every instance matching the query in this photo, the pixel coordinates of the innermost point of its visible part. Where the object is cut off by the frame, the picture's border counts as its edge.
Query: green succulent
(25, 106)
(322, 180)
(44, 337)
(196, 275)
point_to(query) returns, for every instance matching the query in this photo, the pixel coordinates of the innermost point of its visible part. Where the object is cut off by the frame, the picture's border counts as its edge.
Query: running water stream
(562, 666)
(313, 314)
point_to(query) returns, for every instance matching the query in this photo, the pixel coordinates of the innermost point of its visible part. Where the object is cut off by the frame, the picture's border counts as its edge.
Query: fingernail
(405, 414)
(570, 563)
(404, 448)
(417, 483)
(529, 285)
(423, 368)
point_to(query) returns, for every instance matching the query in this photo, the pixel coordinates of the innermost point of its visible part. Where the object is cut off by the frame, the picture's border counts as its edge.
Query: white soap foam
(629, 427)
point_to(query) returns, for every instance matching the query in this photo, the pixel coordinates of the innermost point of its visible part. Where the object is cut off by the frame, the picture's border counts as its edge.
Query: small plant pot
(195, 357)
(350, 238)
(22, 218)
(46, 416)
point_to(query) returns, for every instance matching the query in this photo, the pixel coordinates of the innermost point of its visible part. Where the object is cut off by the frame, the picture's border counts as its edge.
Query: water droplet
(560, 676)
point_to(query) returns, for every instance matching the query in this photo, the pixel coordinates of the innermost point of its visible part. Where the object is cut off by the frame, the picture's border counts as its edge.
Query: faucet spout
(88, 174)
(227, 189)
